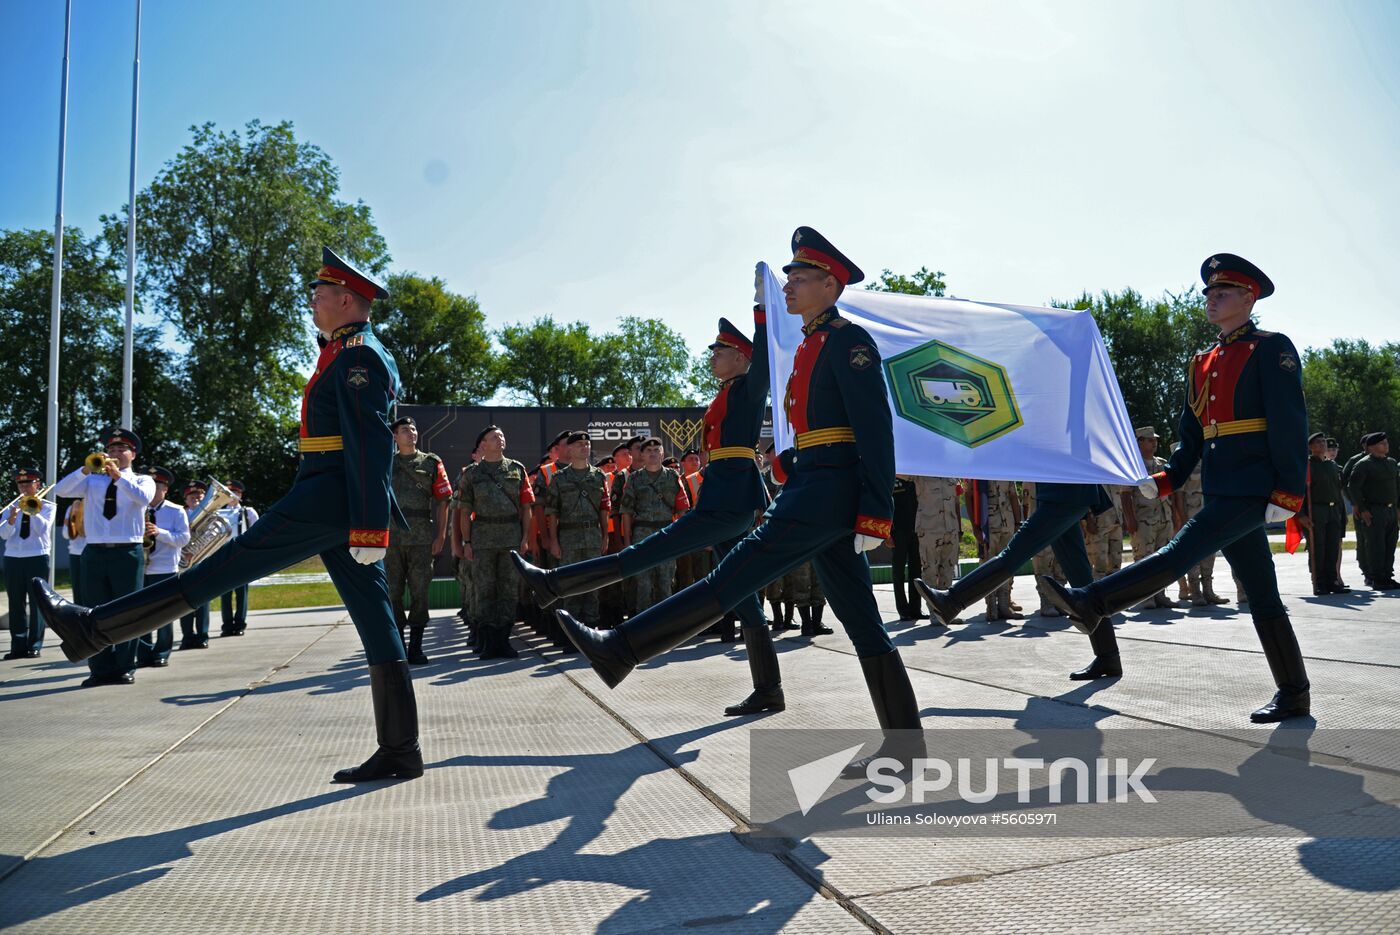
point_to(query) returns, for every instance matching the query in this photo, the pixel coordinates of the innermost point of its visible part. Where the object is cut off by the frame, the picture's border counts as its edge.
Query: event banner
(979, 389)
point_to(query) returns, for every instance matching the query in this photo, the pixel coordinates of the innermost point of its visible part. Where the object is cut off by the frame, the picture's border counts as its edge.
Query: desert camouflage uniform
(1001, 526)
(1105, 544)
(938, 525)
(1154, 517)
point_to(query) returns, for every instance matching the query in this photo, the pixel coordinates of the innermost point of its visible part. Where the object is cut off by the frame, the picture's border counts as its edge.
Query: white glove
(1148, 489)
(866, 543)
(758, 284)
(1273, 513)
(367, 556)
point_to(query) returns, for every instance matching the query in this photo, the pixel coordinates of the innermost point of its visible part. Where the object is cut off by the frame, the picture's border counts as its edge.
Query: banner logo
(681, 433)
(952, 393)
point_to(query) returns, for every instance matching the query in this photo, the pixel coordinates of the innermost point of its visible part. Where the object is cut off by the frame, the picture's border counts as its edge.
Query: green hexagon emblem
(952, 393)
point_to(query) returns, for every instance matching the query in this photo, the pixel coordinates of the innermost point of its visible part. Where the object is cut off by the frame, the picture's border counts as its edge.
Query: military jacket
(938, 509)
(653, 499)
(1375, 485)
(419, 482)
(345, 431)
(1324, 486)
(577, 499)
(1245, 420)
(837, 384)
(906, 504)
(1154, 511)
(494, 491)
(733, 420)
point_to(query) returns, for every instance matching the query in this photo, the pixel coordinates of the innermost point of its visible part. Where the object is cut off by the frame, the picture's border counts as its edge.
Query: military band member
(194, 626)
(1244, 416)
(496, 516)
(1375, 490)
(75, 533)
(339, 507)
(578, 507)
(114, 564)
(233, 606)
(422, 490)
(836, 503)
(729, 497)
(167, 532)
(28, 539)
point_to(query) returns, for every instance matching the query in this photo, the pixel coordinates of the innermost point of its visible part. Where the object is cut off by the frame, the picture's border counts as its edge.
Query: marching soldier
(339, 507)
(579, 507)
(938, 523)
(233, 606)
(1200, 579)
(653, 498)
(1375, 489)
(496, 516)
(422, 490)
(1244, 416)
(194, 626)
(167, 532)
(28, 538)
(836, 503)
(114, 516)
(904, 548)
(1319, 517)
(1150, 522)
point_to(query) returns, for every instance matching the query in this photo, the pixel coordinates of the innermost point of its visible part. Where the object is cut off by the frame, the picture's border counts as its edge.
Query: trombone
(29, 503)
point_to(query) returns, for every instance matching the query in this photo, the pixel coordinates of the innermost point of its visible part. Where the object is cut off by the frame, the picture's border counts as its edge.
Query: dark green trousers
(26, 626)
(1380, 545)
(233, 610)
(156, 646)
(1324, 539)
(108, 573)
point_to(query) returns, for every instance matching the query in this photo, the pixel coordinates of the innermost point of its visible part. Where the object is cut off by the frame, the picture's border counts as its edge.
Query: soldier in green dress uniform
(1375, 491)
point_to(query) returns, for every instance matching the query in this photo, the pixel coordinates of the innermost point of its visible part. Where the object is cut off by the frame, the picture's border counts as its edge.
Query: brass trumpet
(29, 503)
(96, 463)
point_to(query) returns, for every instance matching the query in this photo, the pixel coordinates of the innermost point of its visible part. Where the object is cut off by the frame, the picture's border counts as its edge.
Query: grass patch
(279, 596)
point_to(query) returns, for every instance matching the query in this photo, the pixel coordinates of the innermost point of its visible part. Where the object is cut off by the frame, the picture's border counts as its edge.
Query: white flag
(982, 390)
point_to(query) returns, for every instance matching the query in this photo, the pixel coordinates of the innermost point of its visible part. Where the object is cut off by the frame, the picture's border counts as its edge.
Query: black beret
(652, 442)
(621, 447)
(572, 437)
(402, 420)
(562, 436)
(607, 460)
(484, 432)
(1375, 438)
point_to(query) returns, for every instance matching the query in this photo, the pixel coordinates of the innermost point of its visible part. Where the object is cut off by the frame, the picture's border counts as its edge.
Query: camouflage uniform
(1154, 522)
(419, 482)
(466, 592)
(1105, 544)
(1201, 578)
(1001, 526)
(691, 568)
(612, 604)
(1044, 563)
(578, 501)
(652, 500)
(938, 524)
(494, 492)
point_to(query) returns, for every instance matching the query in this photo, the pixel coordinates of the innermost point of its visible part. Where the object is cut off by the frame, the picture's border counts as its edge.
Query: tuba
(208, 530)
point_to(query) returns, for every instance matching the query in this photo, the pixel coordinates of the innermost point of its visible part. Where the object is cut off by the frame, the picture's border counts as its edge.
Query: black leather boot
(395, 724)
(415, 646)
(805, 614)
(661, 627)
(818, 629)
(966, 591)
(895, 706)
(778, 625)
(767, 692)
(1086, 606)
(86, 631)
(1290, 675)
(1107, 663)
(727, 629)
(548, 585)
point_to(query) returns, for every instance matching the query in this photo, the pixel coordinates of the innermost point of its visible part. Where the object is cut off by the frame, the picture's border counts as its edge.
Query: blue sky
(595, 160)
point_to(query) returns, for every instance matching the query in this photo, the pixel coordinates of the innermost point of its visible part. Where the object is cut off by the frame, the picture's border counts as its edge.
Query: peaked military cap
(730, 336)
(1317, 436)
(122, 437)
(402, 421)
(196, 485)
(810, 249)
(337, 272)
(164, 475)
(26, 474)
(1226, 269)
(236, 486)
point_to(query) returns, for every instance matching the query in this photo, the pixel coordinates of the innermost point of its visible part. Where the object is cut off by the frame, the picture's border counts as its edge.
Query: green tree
(1150, 343)
(655, 364)
(922, 282)
(545, 364)
(1352, 387)
(90, 360)
(439, 340)
(229, 233)
(703, 384)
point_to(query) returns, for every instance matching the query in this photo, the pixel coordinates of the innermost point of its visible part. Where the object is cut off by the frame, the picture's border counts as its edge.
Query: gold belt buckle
(1210, 431)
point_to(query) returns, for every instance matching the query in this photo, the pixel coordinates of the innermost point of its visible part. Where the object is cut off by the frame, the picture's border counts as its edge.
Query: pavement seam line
(741, 825)
(38, 849)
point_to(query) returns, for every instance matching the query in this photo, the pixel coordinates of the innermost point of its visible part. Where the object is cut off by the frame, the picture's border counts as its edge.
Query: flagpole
(131, 229)
(56, 299)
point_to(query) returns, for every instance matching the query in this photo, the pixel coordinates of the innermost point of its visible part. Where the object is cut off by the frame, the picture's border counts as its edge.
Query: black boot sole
(1097, 670)
(943, 611)
(536, 579)
(602, 648)
(1065, 603)
(749, 706)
